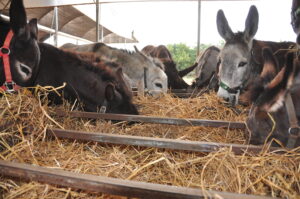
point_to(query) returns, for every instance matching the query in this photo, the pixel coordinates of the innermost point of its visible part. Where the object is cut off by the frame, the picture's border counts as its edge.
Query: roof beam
(52, 3)
(50, 30)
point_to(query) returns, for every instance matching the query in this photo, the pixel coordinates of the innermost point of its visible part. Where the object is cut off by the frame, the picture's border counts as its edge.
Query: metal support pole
(56, 26)
(199, 28)
(101, 27)
(97, 21)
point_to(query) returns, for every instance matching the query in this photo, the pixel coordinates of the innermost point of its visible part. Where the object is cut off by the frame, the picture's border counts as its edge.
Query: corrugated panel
(71, 21)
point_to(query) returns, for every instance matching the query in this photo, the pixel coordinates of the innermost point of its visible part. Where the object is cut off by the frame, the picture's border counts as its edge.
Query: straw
(24, 118)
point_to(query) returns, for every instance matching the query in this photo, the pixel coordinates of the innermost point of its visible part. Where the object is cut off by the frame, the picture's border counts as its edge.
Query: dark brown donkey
(269, 116)
(175, 80)
(241, 57)
(33, 63)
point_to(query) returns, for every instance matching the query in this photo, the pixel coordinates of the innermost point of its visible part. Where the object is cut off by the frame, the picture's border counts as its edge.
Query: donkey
(295, 16)
(241, 58)
(134, 65)
(268, 118)
(207, 68)
(32, 63)
(175, 80)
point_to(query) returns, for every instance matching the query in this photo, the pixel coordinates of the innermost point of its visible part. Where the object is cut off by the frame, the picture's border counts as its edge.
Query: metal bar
(180, 95)
(157, 120)
(199, 28)
(109, 185)
(101, 27)
(183, 145)
(51, 3)
(97, 21)
(56, 26)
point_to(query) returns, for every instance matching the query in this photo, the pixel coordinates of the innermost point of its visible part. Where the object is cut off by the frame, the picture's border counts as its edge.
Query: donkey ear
(270, 68)
(33, 28)
(18, 18)
(124, 82)
(119, 71)
(139, 52)
(110, 92)
(223, 27)
(251, 24)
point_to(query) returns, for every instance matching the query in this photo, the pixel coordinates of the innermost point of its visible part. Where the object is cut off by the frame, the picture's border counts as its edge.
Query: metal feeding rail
(183, 145)
(109, 185)
(156, 120)
(155, 142)
(181, 93)
(127, 187)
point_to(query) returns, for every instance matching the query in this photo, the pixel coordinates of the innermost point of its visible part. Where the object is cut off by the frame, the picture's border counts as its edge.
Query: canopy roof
(71, 21)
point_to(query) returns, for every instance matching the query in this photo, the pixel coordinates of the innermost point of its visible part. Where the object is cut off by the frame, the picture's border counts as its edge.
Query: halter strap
(145, 77)
(234, 90)
(294, 130)
(103, 107)
(9, 85)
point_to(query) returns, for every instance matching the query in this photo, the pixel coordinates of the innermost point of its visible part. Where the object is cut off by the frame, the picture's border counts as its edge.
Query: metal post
(101, 27)
(97, 21)
(56, 26)
(199, 28)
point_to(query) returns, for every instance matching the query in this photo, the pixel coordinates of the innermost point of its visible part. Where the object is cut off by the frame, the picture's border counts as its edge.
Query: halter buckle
(4, 51)
(230, 90)
(102, 109)
(10, 86)
(294, 131)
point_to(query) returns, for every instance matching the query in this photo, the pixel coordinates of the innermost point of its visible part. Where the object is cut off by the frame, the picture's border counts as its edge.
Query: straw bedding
(270, 174)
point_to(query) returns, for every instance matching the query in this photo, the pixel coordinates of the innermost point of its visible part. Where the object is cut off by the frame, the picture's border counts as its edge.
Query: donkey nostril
(226, 99)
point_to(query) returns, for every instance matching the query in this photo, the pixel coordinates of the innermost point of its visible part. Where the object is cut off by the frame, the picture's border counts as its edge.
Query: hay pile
(264, 174)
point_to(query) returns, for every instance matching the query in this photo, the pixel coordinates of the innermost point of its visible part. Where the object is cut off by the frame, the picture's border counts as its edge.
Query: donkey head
(295, 16)
(207, 66)
(267, 114)
(24, 51)
(119, 96)
(156, 79)
(235, 57)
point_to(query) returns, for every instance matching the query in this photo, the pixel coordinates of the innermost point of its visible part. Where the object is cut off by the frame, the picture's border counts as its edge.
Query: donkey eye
(158, 85)
(297, 12)
(241, 64)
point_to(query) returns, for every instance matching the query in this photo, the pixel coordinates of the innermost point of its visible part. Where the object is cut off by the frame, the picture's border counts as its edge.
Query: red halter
(9, 85)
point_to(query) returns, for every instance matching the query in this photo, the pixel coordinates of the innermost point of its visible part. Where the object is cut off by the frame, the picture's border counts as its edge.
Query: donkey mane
(98, 46)
(5, 26)
(91, 58)
(102, 70)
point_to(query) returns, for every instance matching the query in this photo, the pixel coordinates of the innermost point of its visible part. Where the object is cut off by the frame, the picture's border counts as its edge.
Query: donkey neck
(83, 81)
(123, 56)
(279, 49)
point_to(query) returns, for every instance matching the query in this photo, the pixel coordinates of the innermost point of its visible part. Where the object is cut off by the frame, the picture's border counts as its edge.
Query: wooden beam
(173, 144)
(156, 120)
(52, 3)
(108, 185)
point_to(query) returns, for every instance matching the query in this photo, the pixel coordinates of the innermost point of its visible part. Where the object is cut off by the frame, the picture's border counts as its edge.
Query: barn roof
(71, 21)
